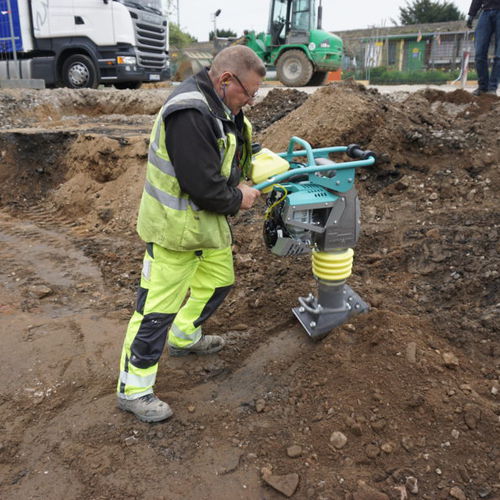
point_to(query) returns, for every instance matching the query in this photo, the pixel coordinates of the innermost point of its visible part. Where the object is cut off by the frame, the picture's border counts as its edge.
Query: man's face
(239, 90)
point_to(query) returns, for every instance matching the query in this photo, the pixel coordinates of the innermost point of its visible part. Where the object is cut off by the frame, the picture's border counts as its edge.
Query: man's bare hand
(249, 195)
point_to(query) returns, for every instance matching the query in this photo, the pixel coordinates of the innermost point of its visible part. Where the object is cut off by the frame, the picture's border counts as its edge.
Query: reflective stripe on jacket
(167, 215)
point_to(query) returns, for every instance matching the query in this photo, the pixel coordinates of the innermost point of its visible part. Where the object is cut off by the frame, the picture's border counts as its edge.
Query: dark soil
(275, 106)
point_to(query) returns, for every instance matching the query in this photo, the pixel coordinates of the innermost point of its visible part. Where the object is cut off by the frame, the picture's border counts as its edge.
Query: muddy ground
(401, 402)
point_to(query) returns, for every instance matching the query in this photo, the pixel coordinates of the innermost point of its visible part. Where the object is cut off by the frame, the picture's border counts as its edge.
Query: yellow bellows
(333, 266)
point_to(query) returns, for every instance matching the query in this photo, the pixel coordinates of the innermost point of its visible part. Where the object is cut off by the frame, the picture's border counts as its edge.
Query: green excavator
(296, 45)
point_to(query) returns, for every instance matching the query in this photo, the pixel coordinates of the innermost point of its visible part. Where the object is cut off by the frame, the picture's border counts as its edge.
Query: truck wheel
(317, 79)
(294, 68)
(79, 72)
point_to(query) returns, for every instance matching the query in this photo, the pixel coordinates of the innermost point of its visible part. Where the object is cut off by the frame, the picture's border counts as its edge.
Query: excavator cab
(291, 17)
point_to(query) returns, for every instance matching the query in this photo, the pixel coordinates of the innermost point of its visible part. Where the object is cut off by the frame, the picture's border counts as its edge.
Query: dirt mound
(343, 114)
(329, 117)
(458, 96)
(275, 106)
(401, 402)
(23, 108)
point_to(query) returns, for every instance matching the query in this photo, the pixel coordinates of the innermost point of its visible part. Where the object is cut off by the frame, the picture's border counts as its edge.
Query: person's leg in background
(483, 34)
(495, 70)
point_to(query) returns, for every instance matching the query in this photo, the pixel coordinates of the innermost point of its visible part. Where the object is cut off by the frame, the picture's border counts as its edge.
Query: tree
(428, 11)
(222, 34)
(178, 38)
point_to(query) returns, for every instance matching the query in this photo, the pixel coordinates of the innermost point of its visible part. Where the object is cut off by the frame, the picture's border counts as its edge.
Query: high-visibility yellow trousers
(162, 309)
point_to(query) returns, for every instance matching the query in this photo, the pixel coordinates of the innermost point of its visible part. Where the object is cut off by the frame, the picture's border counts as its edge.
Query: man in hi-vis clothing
(199, 153)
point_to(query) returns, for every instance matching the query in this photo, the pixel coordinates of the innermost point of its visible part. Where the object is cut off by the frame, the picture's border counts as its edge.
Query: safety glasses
(250, 96)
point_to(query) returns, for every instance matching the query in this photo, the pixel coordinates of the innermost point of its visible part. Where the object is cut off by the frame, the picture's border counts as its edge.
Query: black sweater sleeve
(192, 146)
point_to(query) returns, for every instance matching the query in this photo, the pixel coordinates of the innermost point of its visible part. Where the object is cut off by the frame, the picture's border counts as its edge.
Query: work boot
(147, 408)
(492, 92)
(208, 344)
(478, 92)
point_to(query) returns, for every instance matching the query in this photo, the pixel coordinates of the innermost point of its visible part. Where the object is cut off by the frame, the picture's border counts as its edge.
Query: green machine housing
(296, 45)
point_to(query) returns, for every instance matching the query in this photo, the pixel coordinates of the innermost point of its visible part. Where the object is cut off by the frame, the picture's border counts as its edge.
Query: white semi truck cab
(84, 43)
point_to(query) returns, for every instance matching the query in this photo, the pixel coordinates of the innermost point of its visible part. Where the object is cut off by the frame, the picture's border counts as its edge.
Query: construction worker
(200, 150)
(488, 26)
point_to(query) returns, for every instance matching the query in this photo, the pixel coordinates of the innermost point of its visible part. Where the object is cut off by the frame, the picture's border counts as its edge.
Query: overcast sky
(196, 16)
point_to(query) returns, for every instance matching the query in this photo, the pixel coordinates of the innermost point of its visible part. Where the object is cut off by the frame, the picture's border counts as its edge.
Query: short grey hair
(238, 59)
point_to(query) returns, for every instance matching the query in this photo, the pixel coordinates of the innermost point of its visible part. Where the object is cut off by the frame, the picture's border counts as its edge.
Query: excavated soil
(401, 402)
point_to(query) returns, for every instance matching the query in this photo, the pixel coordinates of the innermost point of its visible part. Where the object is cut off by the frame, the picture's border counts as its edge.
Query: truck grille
(151, 42)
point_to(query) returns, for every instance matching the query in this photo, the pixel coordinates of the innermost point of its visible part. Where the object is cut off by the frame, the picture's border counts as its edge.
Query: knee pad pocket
(149, 341)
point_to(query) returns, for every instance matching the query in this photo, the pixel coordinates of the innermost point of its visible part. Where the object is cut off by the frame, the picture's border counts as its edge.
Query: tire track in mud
(32, 255)
(56, 343)
(96, 247)
(49, 294)
(49, 217)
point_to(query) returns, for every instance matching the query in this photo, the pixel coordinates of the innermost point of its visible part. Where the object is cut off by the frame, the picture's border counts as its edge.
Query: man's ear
(225, 79)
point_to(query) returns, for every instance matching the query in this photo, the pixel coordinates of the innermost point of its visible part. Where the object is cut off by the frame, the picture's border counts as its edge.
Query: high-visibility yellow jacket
(168, 215)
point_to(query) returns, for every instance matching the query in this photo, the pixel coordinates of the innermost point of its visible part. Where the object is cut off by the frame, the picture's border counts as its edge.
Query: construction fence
(407, 52)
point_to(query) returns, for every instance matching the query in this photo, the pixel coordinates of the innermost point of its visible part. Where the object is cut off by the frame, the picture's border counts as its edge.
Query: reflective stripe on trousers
(167, 277)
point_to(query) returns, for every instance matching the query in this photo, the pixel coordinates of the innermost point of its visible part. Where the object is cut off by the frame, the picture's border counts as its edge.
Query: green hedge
(385, 76)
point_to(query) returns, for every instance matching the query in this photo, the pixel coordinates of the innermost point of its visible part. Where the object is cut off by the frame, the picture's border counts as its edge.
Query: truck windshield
(157, 6)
